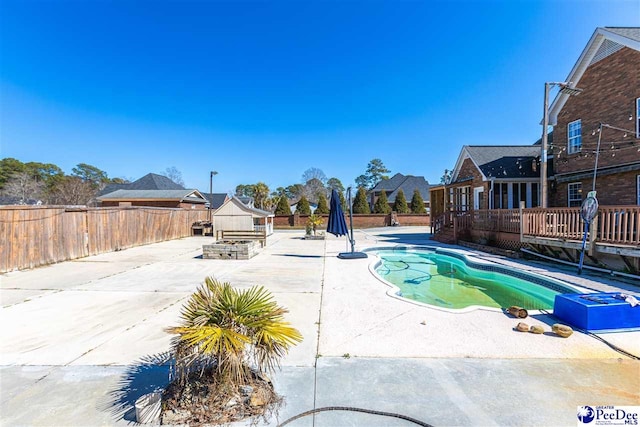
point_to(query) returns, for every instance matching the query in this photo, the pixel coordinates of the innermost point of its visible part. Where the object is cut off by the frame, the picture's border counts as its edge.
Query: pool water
(448, 282)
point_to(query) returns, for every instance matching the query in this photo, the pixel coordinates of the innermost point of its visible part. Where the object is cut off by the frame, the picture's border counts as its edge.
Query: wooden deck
(614, 231)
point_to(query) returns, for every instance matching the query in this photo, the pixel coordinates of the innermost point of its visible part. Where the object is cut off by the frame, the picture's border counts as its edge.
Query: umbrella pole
(353, 254)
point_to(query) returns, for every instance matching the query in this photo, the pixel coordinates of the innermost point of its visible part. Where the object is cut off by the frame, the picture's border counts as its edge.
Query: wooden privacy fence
(34, 236)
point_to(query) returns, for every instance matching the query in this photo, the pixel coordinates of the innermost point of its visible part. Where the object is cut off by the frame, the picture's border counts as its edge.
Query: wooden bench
(244, 235)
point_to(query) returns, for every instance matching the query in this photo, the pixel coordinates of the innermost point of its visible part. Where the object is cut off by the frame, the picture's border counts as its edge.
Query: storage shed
(234, 215)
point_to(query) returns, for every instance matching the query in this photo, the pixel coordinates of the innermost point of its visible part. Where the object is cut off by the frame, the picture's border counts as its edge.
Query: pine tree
(303, 208)
(323, 207)
(417, 204)
(360, 205)
(382, 205)
(343, 202)
(283, 207)
(400, 204)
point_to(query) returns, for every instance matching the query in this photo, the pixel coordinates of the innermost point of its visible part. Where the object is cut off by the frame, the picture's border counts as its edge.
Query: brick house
(608, 72)
(407, 183)
(494, 177)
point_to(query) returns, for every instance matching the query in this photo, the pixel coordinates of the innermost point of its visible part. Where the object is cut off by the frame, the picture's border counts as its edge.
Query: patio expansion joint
(125, 330)
(315, 362)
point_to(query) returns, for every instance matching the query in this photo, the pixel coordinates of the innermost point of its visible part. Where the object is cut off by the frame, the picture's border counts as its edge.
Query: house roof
(215, 199)
(249, 209)
(150, 181)
(407, 183)
(604, 42)
(499, 161)
(389, 184)
(192, 196)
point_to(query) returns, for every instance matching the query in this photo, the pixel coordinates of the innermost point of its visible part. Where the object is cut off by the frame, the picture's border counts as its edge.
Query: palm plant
(314, 221)
(225, 330)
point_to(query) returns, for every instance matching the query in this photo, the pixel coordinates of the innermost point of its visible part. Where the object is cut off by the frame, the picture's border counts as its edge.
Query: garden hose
(352, 409)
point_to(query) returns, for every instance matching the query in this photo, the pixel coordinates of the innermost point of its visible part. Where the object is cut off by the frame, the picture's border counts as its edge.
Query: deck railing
(557, 223)
(618, 225)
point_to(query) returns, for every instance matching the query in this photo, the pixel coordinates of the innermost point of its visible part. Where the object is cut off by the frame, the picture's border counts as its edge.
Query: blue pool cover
(598, 311)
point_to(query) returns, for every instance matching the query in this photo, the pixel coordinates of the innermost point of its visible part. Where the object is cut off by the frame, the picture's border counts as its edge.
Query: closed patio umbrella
(336, 225)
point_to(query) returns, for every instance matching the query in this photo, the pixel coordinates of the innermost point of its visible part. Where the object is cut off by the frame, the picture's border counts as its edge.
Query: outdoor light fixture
(567, 89)
(212, 173)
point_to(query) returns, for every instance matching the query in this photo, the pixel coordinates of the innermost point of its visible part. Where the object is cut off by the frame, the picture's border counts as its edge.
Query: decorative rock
(522, 327)
(562, 330)
(257, 399)
(536, 329)
(246, 390)
(518, 312)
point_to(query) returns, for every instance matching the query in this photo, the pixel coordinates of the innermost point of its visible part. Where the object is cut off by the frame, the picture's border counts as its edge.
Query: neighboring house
(608, 72)
(234, 215)
(216, 199)
(150, 181)
(185, 199)
(494, 177)
(407, 183)
(312, 206)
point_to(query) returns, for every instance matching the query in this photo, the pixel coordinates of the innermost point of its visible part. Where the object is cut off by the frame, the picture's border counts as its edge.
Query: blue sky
(262, 91)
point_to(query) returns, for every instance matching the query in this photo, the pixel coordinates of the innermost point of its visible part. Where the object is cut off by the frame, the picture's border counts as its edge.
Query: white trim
(638, 188)
(476, 195)
(637, 117)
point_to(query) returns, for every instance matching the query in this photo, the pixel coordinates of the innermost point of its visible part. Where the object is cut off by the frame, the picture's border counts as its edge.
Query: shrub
(417, 204)
(400, 204)
(323, 207)
(360, 205)
(303, 208)
(382, 204)
(283, 207)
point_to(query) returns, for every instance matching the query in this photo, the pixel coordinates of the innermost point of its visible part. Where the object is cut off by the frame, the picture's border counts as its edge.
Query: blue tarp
(337, 224)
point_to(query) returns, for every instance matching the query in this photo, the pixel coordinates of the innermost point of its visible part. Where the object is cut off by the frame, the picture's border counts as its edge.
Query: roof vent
(606, 48)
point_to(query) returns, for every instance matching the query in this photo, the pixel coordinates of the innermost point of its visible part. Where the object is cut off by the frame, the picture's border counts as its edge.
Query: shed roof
(248, 209)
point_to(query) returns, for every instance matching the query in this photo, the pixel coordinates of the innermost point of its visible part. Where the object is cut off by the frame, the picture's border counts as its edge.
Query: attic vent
(606, 48)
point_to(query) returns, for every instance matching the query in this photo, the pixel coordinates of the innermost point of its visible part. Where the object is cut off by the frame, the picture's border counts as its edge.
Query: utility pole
(543, 149)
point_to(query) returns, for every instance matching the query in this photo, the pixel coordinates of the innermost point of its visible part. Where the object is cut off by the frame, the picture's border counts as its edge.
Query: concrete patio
(82, 340)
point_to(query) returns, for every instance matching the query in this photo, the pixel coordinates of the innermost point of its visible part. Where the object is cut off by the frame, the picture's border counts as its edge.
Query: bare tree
(314, 173)
(174, 175)
(73, 190)
(24, 187)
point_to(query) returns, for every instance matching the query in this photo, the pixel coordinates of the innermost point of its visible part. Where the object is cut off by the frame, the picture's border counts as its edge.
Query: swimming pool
(451, 280)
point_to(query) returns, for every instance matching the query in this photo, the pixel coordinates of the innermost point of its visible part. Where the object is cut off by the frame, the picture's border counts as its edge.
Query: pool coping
(474, 262)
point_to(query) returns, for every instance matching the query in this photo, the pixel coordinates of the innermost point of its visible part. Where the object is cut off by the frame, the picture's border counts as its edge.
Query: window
(638, 121)
(575, 194)
(574, 134)
(535, 194)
